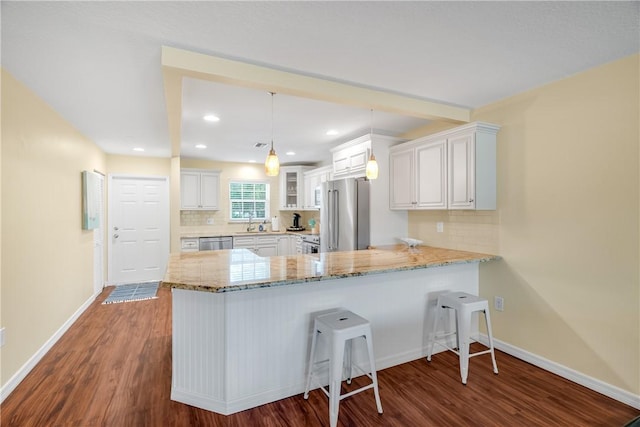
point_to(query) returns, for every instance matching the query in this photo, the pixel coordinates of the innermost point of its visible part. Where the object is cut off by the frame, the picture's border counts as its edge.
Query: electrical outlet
(498, 303)
(1, 337)
(209, 221)
(439, 227)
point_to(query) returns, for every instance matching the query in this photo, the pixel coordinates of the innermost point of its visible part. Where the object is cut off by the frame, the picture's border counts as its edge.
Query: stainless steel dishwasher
(215, 243)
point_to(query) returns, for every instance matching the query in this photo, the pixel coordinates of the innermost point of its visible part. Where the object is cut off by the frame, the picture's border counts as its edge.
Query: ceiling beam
(178, 63)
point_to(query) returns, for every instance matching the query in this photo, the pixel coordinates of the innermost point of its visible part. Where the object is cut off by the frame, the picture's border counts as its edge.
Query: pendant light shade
(371, 172)
(372, 167)
(272, 164)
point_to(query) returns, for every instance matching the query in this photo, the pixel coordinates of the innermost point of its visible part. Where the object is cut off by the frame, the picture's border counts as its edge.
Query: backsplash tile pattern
(476, 231)
(191, 221)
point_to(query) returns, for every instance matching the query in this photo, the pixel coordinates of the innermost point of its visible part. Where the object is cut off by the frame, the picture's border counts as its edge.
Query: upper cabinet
(454, 169)
(199, 189)
(418, 176)
(292, 187)
(350, 158)
(312, 181)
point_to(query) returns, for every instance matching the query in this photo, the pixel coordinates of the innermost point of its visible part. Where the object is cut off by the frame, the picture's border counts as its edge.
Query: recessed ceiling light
(201, 146)
(290, 153)
(211, 118)
(138, 149)
(332, 132)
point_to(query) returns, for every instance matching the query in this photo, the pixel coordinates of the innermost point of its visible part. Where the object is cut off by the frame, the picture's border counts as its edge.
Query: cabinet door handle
(470, 200)
(115, 236)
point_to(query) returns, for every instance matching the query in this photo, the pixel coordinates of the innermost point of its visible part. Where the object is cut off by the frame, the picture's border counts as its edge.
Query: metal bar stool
(341, 328)
(464, 305)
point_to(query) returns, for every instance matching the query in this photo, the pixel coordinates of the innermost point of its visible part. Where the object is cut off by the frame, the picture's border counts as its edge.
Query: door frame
(110, 215)
(99, 240)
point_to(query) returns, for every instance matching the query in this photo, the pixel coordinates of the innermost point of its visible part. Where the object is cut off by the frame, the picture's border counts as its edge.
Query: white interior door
(138, 233)
(98, 241)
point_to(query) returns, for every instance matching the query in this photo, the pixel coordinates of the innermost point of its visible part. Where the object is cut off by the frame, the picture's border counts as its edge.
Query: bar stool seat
(341, 328)
(464, 305)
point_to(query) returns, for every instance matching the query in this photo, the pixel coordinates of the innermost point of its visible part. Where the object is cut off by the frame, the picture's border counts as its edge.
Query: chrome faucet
(251, 227)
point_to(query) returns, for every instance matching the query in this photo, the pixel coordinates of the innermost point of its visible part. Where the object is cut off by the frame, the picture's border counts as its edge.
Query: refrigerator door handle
(336, 216)
(330, 220)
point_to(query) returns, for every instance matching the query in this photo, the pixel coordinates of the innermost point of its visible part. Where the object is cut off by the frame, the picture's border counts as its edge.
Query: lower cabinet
(244, 242)
(188, 244)
(265, 245)
(297, 245)
(284, 245)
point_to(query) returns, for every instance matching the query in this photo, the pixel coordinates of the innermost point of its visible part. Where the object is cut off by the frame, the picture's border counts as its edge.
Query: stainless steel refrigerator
(344, 215)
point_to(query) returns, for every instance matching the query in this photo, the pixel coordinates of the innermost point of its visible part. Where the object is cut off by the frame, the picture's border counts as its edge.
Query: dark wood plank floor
(113, 368)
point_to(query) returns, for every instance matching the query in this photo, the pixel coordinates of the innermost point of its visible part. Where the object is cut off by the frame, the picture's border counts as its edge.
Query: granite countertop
(239, 269)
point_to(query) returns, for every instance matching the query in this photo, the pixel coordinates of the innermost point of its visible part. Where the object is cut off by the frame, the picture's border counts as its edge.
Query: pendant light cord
(272, 119)
(371, 131)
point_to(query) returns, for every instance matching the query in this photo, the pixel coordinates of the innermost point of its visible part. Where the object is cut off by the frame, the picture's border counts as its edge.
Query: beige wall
(566, 224)
(138, 165)
(47, 259)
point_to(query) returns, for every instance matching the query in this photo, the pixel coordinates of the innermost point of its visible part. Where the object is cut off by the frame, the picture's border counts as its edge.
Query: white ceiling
(98, 63)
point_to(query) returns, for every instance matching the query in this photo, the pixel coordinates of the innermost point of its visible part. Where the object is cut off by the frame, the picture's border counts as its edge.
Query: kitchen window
(248, 199)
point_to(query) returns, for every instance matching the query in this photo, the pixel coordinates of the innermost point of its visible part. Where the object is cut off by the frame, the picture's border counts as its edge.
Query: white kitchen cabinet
(189, 244)
(292, 187)
(418, 176)
(454, 169)
(244, 242)
(296, 245)
(402, 179)
(199, 189)
(284, 245)
(265, 245)
(471, 177)
(312, 181)
(350, 159)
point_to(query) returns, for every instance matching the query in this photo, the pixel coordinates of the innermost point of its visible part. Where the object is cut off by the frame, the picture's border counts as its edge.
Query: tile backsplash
(475, 231)
(191, 219)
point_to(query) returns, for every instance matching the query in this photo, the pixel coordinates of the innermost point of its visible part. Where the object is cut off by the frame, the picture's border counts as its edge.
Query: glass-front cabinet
(292, 187)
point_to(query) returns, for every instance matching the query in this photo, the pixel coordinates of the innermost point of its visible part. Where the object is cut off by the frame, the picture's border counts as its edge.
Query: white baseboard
(17, 378)
(601, 387)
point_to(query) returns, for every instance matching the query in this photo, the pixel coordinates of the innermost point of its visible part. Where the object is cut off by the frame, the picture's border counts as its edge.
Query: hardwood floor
(113, 368)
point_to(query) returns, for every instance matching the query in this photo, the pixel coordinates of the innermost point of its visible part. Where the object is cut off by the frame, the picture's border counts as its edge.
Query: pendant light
(372, 165)
(272, 164)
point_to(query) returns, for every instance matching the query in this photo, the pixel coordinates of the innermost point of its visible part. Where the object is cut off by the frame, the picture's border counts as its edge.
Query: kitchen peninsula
(242, 323)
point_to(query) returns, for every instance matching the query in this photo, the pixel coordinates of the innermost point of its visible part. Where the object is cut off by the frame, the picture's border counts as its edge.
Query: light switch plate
(1, 337)
(439, 227)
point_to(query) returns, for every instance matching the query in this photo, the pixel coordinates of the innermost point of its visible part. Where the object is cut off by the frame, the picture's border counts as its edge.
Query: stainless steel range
(310, 244)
